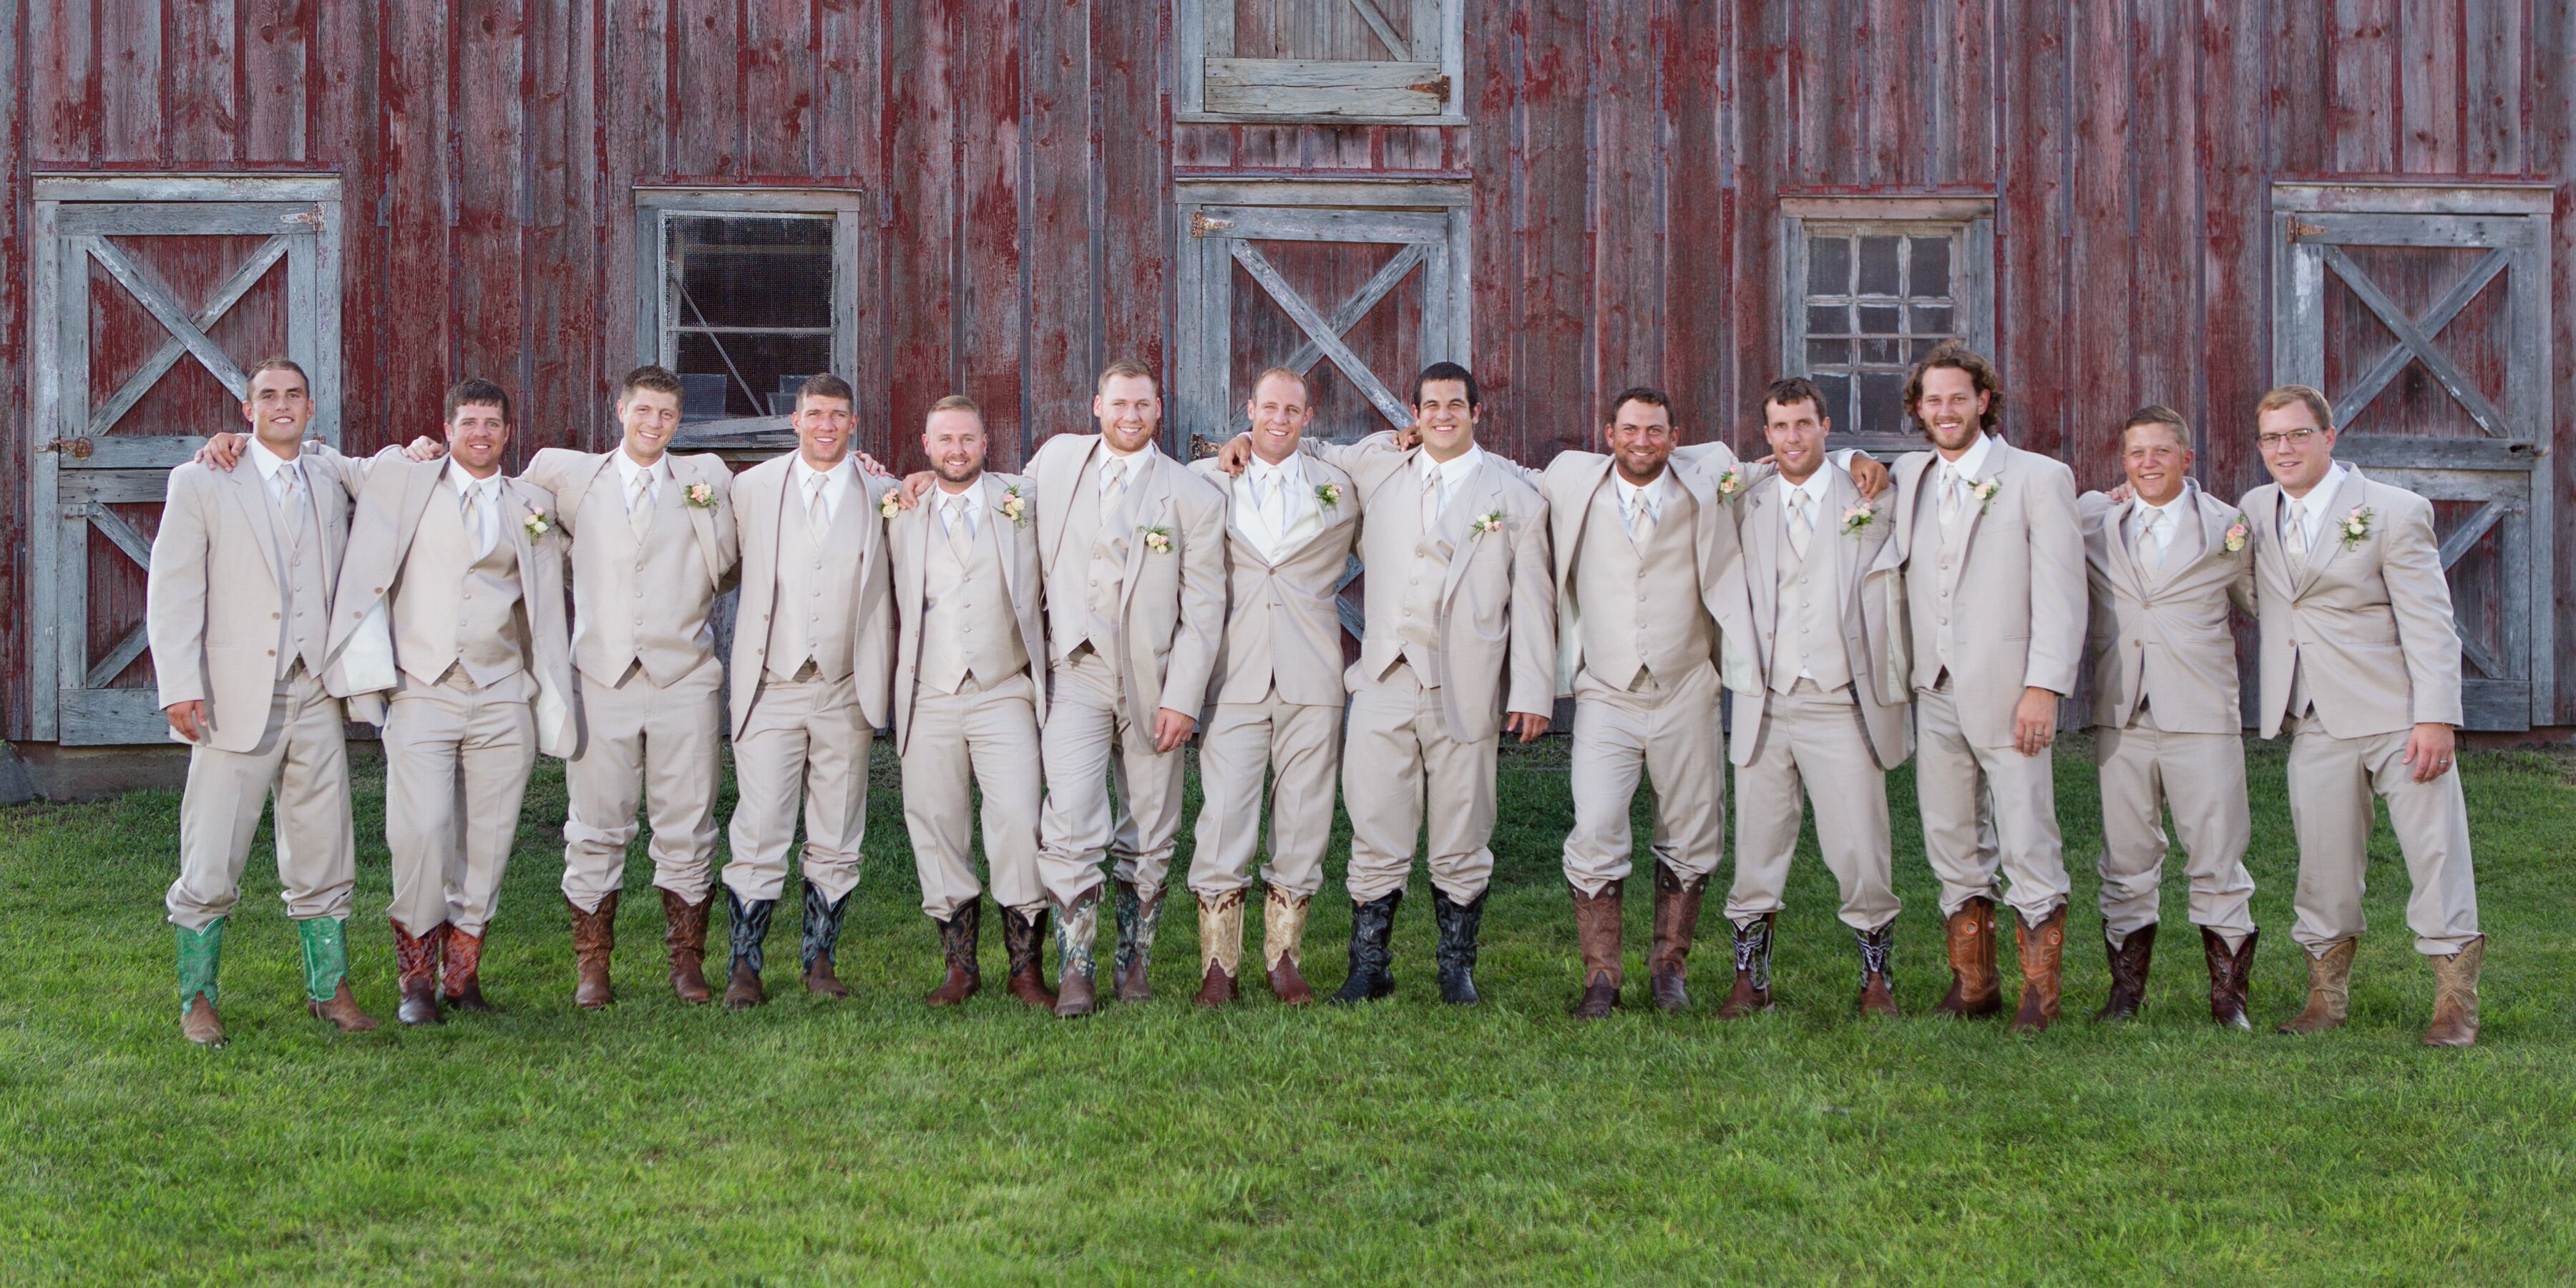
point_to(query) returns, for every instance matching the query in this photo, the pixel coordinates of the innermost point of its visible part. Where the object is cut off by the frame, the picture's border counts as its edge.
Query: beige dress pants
(1986, 810)
(2203, 776)
(302, 758)
(1089, 740)
(2331, 782)
(961, 744)
(1297, 749)
(1666, 732)
(1812, 743)
(805, 737)
(642, 744)
(1398, 746)
(456, 767)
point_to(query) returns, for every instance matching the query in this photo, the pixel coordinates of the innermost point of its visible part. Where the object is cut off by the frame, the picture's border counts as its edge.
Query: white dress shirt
(1275, 503)
(482, 522)
(2152, 528)
(2314, 505)
(970, 506)
(658, 473)
(1441, 481)
(1647, 498)
(837, 482)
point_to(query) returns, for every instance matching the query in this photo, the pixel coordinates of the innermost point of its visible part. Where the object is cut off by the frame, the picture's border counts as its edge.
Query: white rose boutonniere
(701, 497)
(1857, 518)
(1985, 494)
(538, 523)
(1158, 540)
(1328, 495)
(1015, 507)
(891, 504)
(1730, 483)
(2236, 533)
(2356, 525)
(1487, 523)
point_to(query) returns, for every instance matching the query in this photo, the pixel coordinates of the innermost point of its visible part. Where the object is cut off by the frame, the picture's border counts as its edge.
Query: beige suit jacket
(908, 538)
(1576, 481)
(216, 588)
(1884, 699)
(2163, 635)
(1497, 627)
(1283, 621)
(397, 492)
(762, 500)
(2019, 601)
(2369, 623)
(1171, 604)
(569, 476)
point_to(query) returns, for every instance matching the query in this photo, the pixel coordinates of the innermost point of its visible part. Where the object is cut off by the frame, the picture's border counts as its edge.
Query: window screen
(1876, 298)
(746, 309)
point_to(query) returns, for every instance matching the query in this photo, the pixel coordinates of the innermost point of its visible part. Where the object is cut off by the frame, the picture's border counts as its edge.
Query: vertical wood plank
(2034, 322)
(2492, 139)
(204, 124)
(1963, 109)
(1628, 211)
(1555, 372)
(2550, 141)
(1063, 348)
(558, 380)
(849, 143)
(1696, 339)
(1765, 64)
(344, 101)
(2431, 134)
(2235, 293)
(489, 124)
(635, 144)
(2103, 237)
(1494, 150)
(419, 342)
(778, 90)
(990, 289)
(922, 54)
(707, 109)
(1139, 236)
(2166, 266)
(1887, 46)
(129, 83)
(2301, 60)
(62, 86)
(2363, 117)
(275, 72)
(15, 386)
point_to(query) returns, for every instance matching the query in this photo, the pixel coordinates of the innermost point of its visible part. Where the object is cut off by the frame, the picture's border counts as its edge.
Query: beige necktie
(1949, 495)
(290, 502)
(1802, 523)
(1113, 488)
(639, 506)
(818, 516)
(1431, 500)
(1639, 517)
(958, 531)
(2295, 536)
(2151, 546)
(478, 517)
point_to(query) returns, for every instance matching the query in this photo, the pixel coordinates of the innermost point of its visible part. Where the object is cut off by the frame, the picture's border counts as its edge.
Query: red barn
(2177, 201)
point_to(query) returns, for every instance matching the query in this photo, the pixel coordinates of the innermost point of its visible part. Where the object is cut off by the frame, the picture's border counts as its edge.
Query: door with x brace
(2428, 330)
(152, 297)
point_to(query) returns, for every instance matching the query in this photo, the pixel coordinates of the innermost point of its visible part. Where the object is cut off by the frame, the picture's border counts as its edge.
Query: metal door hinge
(310, 218)
(1437, 85)
(1201, 225)
(77, 448)
(2301, 230)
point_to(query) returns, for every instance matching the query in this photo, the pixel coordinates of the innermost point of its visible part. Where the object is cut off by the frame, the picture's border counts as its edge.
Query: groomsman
(237, 607)
(812, 648)
(966, 701)
(652, 542)
(1291, 520)
(2361, 665)
(453, 637)
(1816, 706)
(2164, 565)
(1993, 565)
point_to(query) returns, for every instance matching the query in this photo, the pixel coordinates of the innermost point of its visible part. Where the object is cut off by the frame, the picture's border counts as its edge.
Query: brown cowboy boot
(460, 980)
(1139, 912)
(1596, 933)
(2128, 973)
(1077, 926)
(1752, 991)
(1021, 936)
(199, 1023)
(2455, 996)
(2329, 990)
(416, 966)
(2043, 957)
(958, 938)
(2229, 976)
(1877, 996)
(686, 938)
(1676, 925)
(1283, 942)
(1976, 987)
(594, 935)
(1220, 947)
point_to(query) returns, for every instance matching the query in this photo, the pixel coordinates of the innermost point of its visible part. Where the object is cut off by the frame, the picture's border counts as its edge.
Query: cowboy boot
(748, 929)
(1976, 987)
(2455, 996)
(416, 965)
(1372, 950)
(1021, 933)
(686, 938)
(1076, 972)
(1138, 915)
(1676, 925)
(326, 974)
(2229, 975)
(1596, 933)
(1283, 938)
(201, 954)
(2329, 990)
(2043, 957)
(1220, 947)
(823, 942)
(460, 977)
(1877, 994)
(1752, 991)
(2128, 973)
(958, 939)
(594, 935)
(1456, 953)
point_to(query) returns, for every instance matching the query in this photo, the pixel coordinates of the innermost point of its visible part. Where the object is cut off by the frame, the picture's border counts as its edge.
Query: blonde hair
(956, 402)
(1127, 367)
(2313, 398)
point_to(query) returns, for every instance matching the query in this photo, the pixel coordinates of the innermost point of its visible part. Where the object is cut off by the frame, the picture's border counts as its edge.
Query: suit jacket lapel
(1458, 521)
(2330, 540)
(569, 501)
(2120, 549)
(1998, 465)
(417, 490)
(702, 520)
(250, 492)
(1762, 546)
(1060, 482)
(1908, 475)
(1143, 507)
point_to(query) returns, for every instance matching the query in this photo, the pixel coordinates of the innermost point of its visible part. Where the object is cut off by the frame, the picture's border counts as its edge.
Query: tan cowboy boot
(1220, 947)
(2455, 996)
(2329, 990)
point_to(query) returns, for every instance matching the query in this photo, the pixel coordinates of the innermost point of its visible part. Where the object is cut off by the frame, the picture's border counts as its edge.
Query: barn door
(2428, 330)
(1322, 60)
(151, 298)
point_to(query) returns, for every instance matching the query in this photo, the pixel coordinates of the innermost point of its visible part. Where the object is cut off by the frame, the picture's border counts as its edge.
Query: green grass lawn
(873, 1140)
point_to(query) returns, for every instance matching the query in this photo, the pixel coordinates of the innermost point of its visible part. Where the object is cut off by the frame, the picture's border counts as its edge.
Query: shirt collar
(2320, 496)
(1972, 463)
(973, 496)
(1289, 471)
(1456, 469)
(1814, 487)
(627, 469)
(1651, 492)
(836, 477)
(1135, 458)
(267, 459)
(463, 482)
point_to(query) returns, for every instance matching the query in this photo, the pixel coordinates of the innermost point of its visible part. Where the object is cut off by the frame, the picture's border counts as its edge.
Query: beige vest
(1807, 631)
(453, 609)
(1953, 554)
(638, 600)
(1424, 575)
(1641, 607)
(305, 628)
(811, 615)
(968, 623)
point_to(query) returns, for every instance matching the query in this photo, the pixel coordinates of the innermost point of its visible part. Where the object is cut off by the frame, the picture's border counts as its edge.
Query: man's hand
(908, 494)
(2120, 495)
(2034, 721)
(870, 465)
(1236, 455)
(2429, 750)
(424, 448)
(1868, 475)
(1171, 728)
(222, 451)
(1529, 727)
(1408, 438)
(188, 720)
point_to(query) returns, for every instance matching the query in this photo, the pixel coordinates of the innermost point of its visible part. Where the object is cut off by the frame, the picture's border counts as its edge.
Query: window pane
(1922, 349)
(1932, 321)
(1834, 319)
(1880, 398)
(1879, 320)
(1878, 265)
(1931, 266)
(1828, 266)
(766, 362)
(1837, 391)
(1828, 353)
(1882, 352)
(749, 270)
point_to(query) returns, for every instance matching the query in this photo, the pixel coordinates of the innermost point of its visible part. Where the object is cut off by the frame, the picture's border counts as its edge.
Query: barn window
(1323, 61)
(1872, 286)
(746, 293)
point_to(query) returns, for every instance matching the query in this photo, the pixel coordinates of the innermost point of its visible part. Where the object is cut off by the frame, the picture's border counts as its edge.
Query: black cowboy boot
(823, 942)
(1456, 955)
(1372, 951)
(1752, 992)
(750, 927)
(1877, 993)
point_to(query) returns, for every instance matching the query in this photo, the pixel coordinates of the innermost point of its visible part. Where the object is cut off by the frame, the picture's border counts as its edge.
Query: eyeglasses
(2295, 436)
